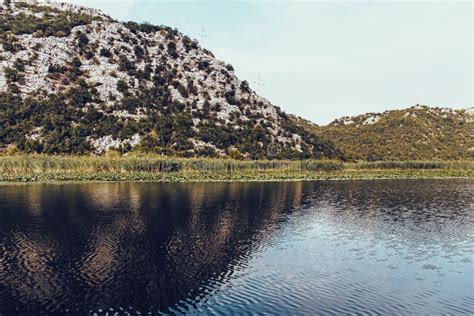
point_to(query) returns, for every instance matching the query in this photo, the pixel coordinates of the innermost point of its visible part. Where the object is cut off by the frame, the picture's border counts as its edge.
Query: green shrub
(122, 87)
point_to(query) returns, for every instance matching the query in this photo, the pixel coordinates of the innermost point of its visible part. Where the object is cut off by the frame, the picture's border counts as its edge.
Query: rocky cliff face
(125, 85)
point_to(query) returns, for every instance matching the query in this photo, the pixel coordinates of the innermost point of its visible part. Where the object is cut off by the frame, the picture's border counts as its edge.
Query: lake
(293, 248)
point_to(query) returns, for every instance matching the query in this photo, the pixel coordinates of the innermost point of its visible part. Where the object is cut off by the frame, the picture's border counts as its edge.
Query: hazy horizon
(323, 60)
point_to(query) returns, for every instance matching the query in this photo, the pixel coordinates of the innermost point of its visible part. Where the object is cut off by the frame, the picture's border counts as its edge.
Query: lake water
(379, 247)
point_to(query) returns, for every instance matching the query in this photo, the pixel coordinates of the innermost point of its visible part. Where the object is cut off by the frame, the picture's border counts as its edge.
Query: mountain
(416, 133)
(74, 80)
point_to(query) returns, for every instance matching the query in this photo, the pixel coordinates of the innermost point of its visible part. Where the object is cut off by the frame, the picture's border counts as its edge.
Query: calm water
(396, 247)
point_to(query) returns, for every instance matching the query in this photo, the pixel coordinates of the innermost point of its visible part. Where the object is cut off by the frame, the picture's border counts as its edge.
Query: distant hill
(73, 80)
(416, 133)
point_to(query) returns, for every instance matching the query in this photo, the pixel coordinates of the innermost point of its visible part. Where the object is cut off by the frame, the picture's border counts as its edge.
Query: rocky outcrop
(139, 72)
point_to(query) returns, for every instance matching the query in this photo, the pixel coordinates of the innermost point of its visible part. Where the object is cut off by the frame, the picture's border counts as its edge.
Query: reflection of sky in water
(316, 261)
(299, 248)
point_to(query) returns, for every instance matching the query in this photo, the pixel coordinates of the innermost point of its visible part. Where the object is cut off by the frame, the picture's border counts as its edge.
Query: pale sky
(323, 60)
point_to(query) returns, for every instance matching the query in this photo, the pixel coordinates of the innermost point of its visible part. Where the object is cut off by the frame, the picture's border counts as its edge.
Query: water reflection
(302, 247)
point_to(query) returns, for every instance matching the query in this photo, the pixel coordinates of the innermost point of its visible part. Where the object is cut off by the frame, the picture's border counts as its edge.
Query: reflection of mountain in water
(92, 246)
(150, 247)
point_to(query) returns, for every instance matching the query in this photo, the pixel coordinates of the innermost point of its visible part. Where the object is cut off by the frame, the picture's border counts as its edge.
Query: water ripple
(312, 248)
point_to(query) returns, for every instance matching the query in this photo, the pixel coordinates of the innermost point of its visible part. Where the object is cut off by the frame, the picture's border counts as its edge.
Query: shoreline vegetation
(46, 168)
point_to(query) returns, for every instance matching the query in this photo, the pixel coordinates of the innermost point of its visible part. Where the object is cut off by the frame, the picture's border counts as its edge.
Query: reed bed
(160, 168)
(44, 163)
(413, 165)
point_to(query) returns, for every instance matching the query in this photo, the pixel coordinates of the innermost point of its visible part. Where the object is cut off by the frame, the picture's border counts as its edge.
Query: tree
(244, 86)
(104, 52)
(19, 64)
(172, 50)
(139, 53)
(80, 96)
(76, 68)
(82, 40)
(13, 75)
(122, 87)
(184, 125)
(130, 104)
(164, 129)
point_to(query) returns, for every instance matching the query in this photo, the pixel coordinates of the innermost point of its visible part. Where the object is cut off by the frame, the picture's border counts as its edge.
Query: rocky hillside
(73, 80)
(417, 133)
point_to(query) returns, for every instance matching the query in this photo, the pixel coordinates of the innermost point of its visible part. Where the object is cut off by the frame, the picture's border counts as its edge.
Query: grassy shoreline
(43, 168)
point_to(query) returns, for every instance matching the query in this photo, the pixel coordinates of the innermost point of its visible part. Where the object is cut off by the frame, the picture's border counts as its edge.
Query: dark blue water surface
(373, 247)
